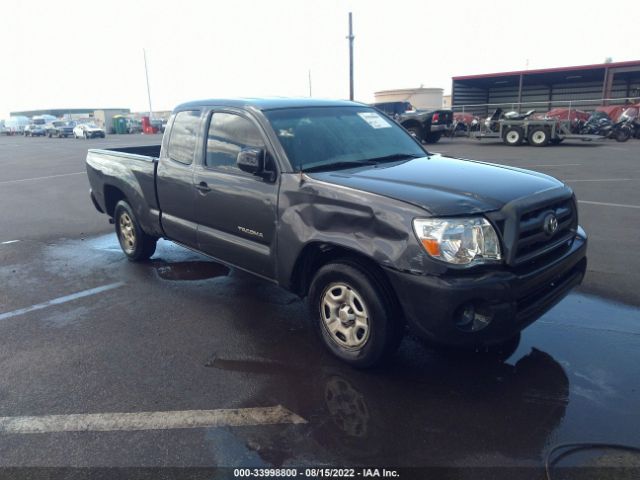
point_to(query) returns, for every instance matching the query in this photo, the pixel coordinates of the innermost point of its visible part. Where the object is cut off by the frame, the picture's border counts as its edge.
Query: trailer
(538, 133)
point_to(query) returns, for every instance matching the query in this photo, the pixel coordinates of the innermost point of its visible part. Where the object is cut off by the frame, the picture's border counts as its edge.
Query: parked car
(426, 125)
(34, 130)
(88, 130)
(337, 203)
(61, 128)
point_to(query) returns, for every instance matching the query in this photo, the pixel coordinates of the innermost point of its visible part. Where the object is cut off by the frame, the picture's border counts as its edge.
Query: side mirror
(251, 160)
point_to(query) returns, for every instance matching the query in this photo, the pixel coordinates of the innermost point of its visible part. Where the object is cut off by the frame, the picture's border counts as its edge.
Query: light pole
(350, 37)
(146, 72)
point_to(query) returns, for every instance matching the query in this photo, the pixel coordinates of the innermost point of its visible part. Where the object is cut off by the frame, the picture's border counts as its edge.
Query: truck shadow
(433, 411)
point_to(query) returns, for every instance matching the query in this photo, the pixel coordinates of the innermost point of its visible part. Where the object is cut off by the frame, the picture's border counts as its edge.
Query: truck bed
(126, 173)
(152, 151)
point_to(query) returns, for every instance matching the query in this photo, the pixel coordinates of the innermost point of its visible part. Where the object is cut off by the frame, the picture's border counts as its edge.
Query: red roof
(633, 63)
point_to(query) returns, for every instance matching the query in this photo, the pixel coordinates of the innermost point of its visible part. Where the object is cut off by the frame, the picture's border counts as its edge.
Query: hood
(444, 185)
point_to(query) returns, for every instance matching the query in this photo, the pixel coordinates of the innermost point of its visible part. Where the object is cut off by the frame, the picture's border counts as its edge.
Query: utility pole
(310, 95)
(350, 37)
(146, 72)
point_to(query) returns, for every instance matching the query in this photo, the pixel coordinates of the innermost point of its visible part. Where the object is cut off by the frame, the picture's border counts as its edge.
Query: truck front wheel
(135, 243)
(416, 132)
(354, 313)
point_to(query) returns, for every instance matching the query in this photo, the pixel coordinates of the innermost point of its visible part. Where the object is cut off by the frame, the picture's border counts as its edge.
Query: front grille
(532, 240)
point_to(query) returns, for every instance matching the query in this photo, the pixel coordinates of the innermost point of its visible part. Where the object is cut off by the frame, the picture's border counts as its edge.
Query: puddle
(195, 270)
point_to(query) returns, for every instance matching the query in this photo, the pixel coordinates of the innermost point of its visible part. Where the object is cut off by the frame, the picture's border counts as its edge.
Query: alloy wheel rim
(512, 137)
(344, 316)
(127, 233)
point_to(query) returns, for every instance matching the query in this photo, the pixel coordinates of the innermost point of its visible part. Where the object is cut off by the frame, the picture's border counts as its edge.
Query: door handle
(203, 187)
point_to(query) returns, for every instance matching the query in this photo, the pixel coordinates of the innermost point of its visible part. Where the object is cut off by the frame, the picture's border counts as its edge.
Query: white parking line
(59, 300)
(604, 204)
(109, 422)
(9, 242)
(41, 178)
(603, 180)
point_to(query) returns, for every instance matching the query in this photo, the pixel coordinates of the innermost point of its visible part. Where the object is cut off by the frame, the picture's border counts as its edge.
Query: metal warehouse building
(583, 87)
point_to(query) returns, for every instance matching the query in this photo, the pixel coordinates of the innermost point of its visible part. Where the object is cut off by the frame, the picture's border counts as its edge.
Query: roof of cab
(272, 103)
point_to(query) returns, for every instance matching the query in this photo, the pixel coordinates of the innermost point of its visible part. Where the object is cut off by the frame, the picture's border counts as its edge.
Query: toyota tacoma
(338, 203)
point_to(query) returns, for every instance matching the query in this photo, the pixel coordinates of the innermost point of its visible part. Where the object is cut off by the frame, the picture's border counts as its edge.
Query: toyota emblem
(550, 224)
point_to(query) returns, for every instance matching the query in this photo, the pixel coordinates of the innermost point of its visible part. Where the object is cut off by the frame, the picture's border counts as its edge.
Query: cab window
(228, 134)
(184, 135)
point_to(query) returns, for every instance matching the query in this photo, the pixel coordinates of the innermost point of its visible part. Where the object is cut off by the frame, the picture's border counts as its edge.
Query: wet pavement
(186, 333)
(181, 332)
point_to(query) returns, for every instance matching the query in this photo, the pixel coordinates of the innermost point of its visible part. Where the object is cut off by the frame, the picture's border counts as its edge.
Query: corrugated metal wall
(584, 95)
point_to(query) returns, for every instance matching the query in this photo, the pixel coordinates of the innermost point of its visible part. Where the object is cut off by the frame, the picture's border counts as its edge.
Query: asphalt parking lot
(84, 332)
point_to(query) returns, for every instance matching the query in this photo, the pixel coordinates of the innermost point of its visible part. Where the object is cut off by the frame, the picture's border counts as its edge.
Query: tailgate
(442, 117)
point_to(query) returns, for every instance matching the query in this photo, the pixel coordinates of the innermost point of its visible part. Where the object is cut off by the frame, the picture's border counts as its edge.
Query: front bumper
(513, 299)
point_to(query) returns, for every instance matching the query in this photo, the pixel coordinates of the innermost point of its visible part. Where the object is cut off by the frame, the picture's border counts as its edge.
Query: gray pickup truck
(338, 203)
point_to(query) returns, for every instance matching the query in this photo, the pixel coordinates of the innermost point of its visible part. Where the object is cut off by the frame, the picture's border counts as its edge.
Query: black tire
(86, 137)
(49, 135)
(433, 137)
(539, 137)
(556, 141)
(622, 135)
(376, 304)
(139, 247)
(513, 136)
(416, 132)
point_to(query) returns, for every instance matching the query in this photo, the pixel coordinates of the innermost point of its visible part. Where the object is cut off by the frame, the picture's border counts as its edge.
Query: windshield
(323, 136)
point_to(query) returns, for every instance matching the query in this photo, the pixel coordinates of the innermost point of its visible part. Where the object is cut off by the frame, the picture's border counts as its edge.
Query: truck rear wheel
(135, 243)
(433, 137)
(539, 137)
(354, 313)
(513, 136)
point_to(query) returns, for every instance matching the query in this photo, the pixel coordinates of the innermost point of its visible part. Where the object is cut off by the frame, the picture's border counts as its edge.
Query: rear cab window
(184, 136)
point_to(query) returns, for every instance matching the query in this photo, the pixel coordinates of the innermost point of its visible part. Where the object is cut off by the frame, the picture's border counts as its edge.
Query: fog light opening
(472, 317)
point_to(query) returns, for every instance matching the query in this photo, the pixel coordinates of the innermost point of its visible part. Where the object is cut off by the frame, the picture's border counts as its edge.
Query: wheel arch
(407, 124)
(112, 195)
(314, 255)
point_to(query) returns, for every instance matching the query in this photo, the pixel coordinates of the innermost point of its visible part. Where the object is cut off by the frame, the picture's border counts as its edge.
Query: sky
(90, 54)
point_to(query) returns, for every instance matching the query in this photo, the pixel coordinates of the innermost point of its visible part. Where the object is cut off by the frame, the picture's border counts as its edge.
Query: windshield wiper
(368, 162)
(336, 166)
(394, 156)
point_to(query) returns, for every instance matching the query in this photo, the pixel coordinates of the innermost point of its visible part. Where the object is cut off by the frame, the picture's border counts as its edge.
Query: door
(174, 179)
(236, 210)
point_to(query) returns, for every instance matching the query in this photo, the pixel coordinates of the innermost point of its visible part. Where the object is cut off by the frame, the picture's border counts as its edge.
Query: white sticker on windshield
(375, 120)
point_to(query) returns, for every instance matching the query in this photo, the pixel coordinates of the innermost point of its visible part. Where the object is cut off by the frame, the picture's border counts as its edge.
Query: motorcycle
(492, 123)
(631, 122)
(600, 124)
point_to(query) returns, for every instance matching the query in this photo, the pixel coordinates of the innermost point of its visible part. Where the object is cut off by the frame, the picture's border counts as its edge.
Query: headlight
(460, 241)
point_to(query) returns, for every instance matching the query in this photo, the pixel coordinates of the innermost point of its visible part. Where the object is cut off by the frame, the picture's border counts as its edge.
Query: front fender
(312, 211)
